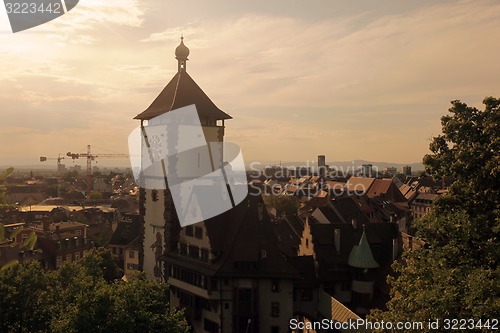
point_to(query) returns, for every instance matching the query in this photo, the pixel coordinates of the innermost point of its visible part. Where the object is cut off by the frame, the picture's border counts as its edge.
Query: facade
(62, 241)
(126, 243)
(422, 204)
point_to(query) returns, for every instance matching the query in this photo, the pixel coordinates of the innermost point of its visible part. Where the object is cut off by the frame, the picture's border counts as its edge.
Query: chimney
(354, 223)
(336, 234)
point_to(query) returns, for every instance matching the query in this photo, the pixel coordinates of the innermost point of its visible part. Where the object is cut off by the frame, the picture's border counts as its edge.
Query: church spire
(181, 54)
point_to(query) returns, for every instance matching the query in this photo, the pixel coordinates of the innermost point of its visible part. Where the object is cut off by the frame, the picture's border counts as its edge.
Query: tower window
(275, 309)
(198, 232)
(154, 195)
(275, 286)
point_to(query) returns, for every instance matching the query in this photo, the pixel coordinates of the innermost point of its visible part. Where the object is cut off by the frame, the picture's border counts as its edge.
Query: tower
(156, 209)
(225, 271)
(363, 263)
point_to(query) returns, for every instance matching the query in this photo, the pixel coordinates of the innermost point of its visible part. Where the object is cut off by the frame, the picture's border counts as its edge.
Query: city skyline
(350, 82)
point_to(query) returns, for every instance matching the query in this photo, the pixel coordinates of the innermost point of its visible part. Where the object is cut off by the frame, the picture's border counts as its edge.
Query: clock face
(155, 146)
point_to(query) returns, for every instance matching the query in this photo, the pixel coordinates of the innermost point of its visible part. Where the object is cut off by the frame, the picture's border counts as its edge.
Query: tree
(284, 205)
(83, 297)
(3, 189)
(95, 196)
(456, 275)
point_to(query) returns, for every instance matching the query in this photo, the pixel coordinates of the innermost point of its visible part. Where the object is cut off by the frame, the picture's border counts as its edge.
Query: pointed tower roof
(361, 255)
(182, 91)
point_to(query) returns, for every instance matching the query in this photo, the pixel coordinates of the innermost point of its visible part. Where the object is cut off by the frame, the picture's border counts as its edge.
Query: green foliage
(95, 196)
(3, 188)
(284, 205)
(28, 244)
(81, 297)
(457, 274)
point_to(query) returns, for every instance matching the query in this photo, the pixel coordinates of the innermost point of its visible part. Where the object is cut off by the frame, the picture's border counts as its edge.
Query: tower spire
(181, 54)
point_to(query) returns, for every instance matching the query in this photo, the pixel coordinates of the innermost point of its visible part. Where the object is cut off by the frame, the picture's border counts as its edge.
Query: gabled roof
(359, 184)
(347, 209)
(386, 187)
(182, 91)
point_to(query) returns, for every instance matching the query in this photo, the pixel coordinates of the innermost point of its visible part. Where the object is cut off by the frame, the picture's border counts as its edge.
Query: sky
(368, 79)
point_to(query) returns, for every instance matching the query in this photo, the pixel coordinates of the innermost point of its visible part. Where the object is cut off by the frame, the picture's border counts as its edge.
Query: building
(407, 170)
(226, 272)
(62, 241)
(156, 206)
(352, 259)
(367, 170)
(126, 243)
(422, 204)
(322, 167)
(391, 171)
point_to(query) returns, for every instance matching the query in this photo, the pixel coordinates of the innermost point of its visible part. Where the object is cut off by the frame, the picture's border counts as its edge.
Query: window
(77, 256)
(275, 286)
(194, 252)
(198, 232)
(131, 254)
(204, 255)
(189, 231)
(210, 326)
(183, 249)
(307, 243)
(68, 257)
(306, 295)
(78, 232)
(213, 284)
(58, 261)
(275, 309)
(154, 195)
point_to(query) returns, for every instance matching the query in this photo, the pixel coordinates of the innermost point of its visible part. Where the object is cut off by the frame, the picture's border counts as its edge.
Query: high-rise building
(407, 170)
(322, 168)
(321, 161)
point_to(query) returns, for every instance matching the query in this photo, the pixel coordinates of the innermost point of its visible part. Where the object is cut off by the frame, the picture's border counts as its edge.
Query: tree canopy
(83, 297)
(3, 189)
(456, 275)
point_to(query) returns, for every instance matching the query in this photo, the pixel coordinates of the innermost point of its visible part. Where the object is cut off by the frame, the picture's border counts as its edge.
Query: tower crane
(59, 158)
(91, 157)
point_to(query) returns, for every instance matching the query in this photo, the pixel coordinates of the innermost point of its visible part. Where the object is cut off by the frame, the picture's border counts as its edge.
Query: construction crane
(91, 157)
(43, 159)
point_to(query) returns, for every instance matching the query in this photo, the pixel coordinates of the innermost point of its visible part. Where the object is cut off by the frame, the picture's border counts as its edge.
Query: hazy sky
(351, 80)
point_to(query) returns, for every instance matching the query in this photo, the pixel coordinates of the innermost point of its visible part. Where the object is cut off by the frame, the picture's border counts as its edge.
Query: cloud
(359, 86)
